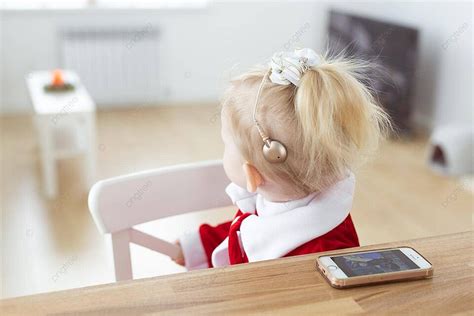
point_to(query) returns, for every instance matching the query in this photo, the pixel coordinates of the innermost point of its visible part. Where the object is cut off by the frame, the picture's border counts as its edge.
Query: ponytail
(339, 117)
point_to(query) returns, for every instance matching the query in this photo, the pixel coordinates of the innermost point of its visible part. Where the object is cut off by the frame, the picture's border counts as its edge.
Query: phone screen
(365, 263)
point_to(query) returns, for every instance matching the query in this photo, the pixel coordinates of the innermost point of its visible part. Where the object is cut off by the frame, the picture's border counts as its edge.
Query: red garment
(343, 236)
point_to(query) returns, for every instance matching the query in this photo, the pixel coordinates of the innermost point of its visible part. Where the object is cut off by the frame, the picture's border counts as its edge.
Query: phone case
(374, 278)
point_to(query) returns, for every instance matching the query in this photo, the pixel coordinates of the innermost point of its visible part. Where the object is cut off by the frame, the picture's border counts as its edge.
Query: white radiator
(119, 66)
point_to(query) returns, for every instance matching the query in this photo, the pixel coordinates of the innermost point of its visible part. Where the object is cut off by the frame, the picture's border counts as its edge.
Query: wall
(444, 81)
(201, 48)
(198, 48)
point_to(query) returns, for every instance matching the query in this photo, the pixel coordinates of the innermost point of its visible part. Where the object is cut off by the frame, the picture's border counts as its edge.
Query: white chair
(120, 203)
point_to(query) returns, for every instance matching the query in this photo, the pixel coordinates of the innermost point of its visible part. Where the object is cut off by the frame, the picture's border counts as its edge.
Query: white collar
(281, 227)
(250, 202)
(244, 200)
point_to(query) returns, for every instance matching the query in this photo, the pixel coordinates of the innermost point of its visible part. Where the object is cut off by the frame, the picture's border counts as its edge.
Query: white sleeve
(193, 251)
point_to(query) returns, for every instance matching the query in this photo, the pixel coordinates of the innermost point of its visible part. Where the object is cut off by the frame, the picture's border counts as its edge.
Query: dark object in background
(392, 46)
(451, 150)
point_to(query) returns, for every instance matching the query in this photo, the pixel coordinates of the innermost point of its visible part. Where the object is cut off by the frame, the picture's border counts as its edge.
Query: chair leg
(122, 258)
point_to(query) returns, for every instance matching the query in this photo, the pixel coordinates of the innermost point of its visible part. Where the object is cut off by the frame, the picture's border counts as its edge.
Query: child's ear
(253, 176)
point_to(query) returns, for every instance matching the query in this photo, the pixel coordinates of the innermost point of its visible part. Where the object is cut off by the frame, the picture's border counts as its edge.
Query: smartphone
(350, 269)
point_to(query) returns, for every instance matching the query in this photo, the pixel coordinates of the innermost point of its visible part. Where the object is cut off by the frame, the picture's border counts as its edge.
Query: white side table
(65, 123)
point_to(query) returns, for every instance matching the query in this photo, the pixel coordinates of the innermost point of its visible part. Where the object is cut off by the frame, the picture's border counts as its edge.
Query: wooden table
(284, 286)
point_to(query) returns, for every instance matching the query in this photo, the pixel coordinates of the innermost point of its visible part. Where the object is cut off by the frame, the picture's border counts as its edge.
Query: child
(292, 135)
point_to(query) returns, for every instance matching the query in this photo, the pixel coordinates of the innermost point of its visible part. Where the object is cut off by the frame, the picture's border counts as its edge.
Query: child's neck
(277, 196)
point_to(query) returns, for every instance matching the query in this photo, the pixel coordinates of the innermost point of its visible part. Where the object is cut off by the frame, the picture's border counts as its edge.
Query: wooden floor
(53, 245)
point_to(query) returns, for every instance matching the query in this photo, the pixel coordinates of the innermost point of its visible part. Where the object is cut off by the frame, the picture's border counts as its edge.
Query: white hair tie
(288, 67)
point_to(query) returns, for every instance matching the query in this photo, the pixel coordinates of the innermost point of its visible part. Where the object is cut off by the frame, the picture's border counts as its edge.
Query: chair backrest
(119, 203)
(122, 202)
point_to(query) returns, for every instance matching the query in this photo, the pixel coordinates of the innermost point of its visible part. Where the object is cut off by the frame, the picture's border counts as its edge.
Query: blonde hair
(329, 124)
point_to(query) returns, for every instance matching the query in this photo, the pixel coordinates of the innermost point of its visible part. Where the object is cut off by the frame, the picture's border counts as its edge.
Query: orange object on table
(58, 79)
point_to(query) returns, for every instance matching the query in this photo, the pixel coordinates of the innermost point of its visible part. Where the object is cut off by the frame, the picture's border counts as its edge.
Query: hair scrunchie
(288, 67)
